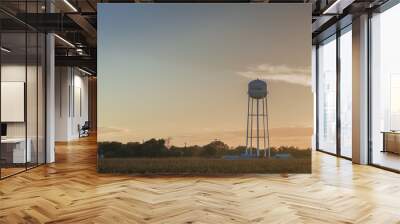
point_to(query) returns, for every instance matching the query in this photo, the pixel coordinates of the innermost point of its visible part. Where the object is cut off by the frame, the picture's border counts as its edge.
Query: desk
(13, 150)
(391, 141)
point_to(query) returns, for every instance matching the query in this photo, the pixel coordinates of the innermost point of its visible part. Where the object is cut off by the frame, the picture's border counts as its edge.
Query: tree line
(157, 148)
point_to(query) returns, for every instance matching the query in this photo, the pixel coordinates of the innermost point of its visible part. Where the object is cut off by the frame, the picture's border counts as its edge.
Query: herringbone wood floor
(70, 191)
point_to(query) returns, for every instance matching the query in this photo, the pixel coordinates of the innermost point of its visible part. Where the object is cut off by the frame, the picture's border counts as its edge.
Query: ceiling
(75, 21)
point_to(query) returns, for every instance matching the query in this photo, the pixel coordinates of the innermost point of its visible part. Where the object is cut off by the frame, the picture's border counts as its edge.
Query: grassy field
(205, 166)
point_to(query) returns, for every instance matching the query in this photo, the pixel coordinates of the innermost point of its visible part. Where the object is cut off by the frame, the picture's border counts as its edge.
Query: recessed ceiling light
(84, 71)
(337, 7)
(70, 5)
(64, 40)
(5, 50)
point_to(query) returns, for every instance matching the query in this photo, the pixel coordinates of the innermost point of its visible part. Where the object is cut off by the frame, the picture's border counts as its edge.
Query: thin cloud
(112, 130)
(282, 73)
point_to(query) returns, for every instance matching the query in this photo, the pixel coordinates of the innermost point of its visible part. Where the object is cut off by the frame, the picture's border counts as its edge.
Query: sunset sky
(181, 71)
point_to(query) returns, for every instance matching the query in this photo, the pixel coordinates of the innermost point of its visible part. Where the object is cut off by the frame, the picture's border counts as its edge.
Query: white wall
(16, 73)
(33, 127)
(71, 92)
(62, 82)
(80, 110)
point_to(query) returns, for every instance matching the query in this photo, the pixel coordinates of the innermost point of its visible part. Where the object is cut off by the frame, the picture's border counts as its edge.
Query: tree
(215, 148)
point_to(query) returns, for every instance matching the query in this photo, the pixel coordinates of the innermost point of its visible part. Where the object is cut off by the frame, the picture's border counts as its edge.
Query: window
(22, 94)
(329, 111)
(346, 92)
(394, 102)
(327, 95)
(385, 89)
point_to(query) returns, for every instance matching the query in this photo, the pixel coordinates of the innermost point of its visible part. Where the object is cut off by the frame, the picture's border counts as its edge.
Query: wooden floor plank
(71, 191)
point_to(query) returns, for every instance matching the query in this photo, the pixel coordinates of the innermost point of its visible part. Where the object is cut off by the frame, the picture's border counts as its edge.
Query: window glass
(22, 90)
(14, 150)
(327, 95)
(385, 88)
(346, 93)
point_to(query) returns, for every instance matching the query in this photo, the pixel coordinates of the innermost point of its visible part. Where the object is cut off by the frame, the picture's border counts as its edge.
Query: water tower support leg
(263, 122)
(267, 117)
(258, 130)
(251, 127)
(247, 130)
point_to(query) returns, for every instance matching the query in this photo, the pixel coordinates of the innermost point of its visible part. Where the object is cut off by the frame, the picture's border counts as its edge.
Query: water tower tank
(257, 89)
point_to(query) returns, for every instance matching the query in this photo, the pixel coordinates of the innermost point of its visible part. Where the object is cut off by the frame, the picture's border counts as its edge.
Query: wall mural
(204, 88)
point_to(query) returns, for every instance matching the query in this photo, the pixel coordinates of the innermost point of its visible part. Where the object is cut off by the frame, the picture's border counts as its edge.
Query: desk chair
(84, 130)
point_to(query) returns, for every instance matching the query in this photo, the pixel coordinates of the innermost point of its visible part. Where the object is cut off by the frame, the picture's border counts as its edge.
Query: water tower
(257, 119)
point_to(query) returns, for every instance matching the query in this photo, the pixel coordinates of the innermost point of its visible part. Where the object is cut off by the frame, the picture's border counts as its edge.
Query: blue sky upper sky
(181, 70)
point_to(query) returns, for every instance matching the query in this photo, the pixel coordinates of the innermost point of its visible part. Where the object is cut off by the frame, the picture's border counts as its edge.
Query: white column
(50, 92)
(63, 84)
(360, 90)
(50, 99)
(314, 91)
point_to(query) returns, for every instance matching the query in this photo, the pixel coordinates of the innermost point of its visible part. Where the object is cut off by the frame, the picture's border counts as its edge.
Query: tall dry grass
(198, 165)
